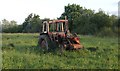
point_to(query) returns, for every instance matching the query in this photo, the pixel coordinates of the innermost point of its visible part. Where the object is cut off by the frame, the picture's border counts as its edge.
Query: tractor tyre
(44, 43)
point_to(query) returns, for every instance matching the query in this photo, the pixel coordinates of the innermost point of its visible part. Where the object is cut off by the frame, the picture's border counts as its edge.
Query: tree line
(81, 20)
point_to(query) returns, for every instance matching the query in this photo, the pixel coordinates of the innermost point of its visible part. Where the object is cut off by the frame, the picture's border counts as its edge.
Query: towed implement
(56, 33)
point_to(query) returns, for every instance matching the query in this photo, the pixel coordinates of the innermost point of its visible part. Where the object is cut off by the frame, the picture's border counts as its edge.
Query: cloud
(115, 3)
(114, 13)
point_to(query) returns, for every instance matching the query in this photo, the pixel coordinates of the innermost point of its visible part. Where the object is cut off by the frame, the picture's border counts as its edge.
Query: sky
(18, 10)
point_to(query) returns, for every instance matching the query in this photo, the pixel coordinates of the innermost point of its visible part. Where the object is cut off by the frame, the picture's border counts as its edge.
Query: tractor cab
(55, 27)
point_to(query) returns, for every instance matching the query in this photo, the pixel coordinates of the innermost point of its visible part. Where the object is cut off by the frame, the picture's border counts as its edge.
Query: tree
(13, 23)
(35, 23)
(86, 21)
(100, 20)
(72, 12)
(26, 23)
(32, 24)
(5, 24)
(9, 27)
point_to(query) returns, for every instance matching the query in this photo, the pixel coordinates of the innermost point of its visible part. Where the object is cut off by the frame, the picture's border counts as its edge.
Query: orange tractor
(55, 33)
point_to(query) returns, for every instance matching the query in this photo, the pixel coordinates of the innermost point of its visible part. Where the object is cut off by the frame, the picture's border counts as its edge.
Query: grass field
(20, 51)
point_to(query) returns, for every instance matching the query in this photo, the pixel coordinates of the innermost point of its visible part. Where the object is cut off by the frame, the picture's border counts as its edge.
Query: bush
(106, 31)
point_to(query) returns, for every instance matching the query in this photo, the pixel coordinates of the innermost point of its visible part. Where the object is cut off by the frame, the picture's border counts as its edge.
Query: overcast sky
(18, 10)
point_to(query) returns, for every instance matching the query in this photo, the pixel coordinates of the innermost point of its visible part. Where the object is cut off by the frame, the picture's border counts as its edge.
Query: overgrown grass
(20, 51)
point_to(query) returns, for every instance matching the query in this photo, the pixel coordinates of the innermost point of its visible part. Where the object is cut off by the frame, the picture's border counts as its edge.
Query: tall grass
(21, 51)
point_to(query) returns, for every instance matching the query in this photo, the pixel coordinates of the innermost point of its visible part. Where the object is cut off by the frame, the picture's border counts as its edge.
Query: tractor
(55, 33)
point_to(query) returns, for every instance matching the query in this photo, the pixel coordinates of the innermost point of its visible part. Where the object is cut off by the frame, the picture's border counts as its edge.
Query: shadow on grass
(92, 49)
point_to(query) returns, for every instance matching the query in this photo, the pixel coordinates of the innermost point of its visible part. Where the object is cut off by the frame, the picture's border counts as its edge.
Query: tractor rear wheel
(44, 42)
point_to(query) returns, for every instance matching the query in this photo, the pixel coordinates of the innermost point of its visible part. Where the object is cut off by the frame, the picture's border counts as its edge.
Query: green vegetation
(21, 51)
(88, 22)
